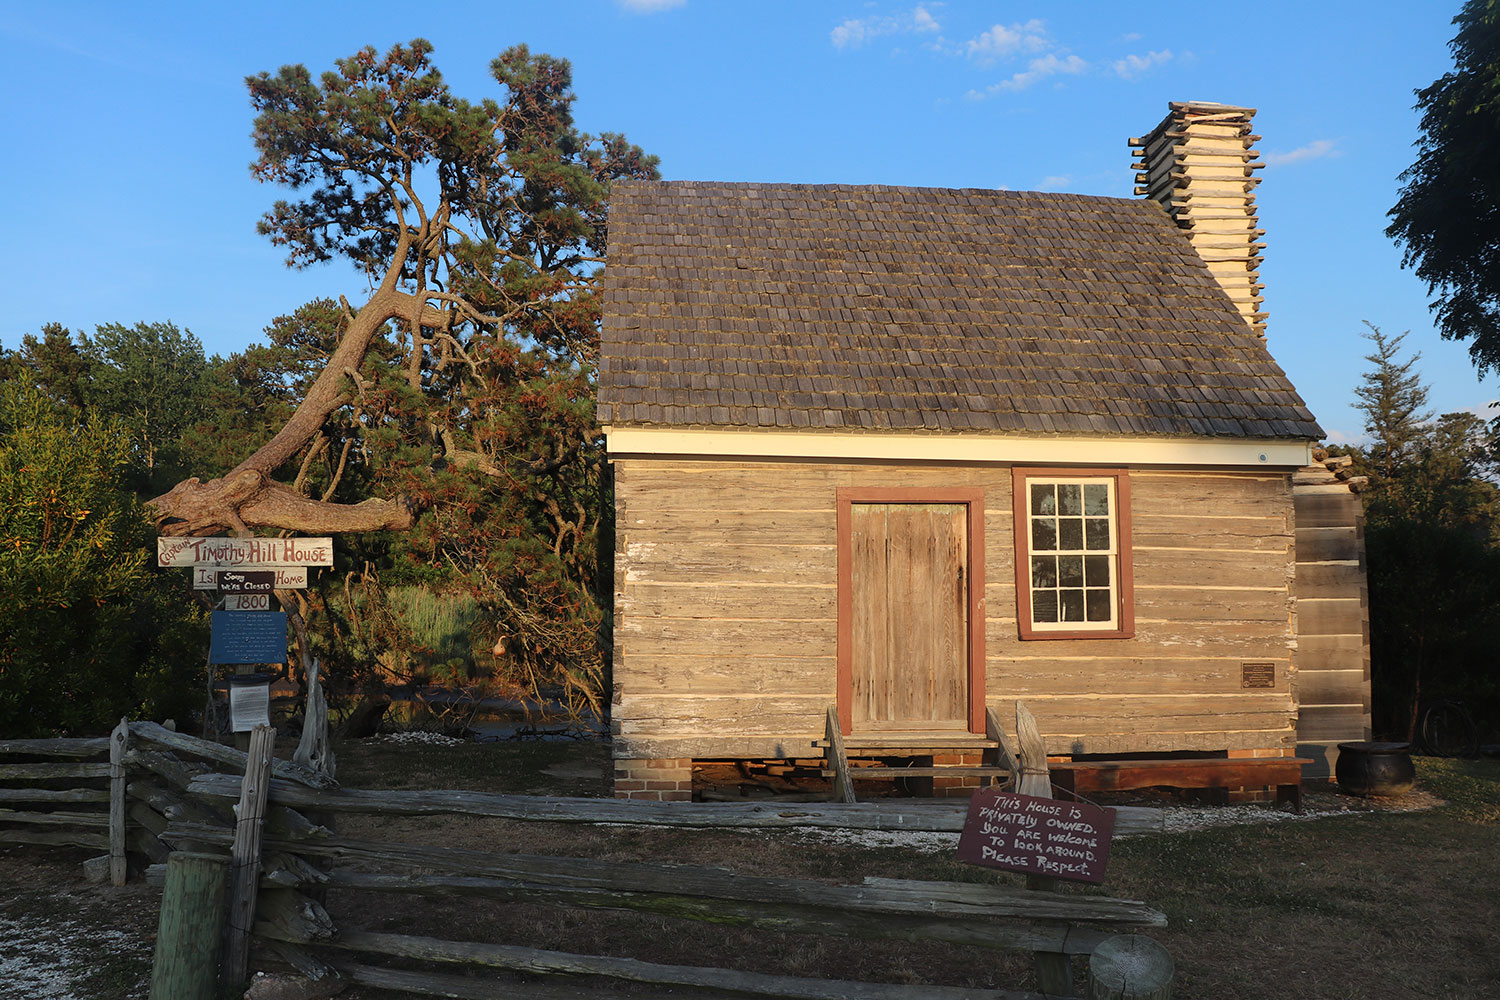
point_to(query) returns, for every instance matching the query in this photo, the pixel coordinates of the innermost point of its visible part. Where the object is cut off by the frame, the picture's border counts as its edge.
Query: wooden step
(939, 771)
(911, 744)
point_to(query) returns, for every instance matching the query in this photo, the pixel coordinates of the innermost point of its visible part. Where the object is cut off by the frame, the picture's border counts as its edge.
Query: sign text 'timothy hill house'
(232, 552)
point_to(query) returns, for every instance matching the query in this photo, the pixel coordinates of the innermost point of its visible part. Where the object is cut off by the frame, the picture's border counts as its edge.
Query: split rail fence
(278, 874)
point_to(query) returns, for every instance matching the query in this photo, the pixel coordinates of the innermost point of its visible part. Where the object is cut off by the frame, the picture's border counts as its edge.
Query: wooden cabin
(912, 452)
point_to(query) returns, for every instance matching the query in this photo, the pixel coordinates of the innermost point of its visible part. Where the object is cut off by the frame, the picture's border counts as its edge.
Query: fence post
(1130, 967)
(191, 924)
(245, 855)
(117, 742)
(1054, 974)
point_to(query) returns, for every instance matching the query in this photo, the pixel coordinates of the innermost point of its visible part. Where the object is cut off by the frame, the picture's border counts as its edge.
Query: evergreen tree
(456, 403)
(150, 376)
(1448, 215)
(58, 364)
(1432, 517)
(1393, 400)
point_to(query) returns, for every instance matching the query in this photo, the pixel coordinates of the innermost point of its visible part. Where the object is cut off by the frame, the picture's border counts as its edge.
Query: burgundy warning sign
(1023, 833)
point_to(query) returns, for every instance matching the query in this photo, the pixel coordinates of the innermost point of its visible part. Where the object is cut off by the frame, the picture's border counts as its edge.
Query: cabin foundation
(667, 779)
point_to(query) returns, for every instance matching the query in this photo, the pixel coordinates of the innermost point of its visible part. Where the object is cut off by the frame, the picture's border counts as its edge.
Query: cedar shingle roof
(790, 305)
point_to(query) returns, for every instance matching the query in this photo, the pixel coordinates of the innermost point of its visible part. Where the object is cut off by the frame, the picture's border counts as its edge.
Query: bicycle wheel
(1447, 731)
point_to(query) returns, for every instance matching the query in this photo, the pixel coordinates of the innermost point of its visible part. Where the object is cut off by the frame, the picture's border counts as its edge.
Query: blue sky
(127, 134)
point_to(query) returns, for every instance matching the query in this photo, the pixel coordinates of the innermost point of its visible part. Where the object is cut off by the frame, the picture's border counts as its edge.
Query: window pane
(1044, 571)
(1075, 544)
(1070, 571)
(1096, 571)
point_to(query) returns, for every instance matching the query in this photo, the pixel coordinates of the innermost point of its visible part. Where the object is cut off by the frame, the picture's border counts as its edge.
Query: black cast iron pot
(1370, 768)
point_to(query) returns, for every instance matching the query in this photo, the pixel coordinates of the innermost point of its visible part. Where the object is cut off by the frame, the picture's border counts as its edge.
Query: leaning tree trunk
(247, 497)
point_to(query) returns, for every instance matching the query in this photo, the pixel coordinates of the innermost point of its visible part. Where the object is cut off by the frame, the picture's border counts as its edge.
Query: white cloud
(1050, 64)
(1355, 438)
(1000, 41)
(649, 6)
(1056, 182)
(857, 31)
(1020, 40)
(1133, 66)
(1134, 36)
(1316, 150)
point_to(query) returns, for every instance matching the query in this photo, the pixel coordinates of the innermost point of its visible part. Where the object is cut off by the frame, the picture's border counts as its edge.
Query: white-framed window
(1073, 553)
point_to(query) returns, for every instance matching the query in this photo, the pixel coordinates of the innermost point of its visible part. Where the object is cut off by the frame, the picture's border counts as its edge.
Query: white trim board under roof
(1269, 453)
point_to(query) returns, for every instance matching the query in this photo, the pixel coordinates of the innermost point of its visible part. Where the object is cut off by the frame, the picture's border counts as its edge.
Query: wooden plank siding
(1333, 620)
(726, 604)
(1213, 565)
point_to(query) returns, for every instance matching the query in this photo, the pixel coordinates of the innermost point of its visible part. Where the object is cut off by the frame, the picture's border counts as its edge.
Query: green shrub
(89, 631)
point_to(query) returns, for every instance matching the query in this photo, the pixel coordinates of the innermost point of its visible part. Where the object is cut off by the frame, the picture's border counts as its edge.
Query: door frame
(973, 499)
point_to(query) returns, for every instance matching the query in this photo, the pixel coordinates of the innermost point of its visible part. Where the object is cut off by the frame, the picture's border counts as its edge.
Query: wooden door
(910, 610)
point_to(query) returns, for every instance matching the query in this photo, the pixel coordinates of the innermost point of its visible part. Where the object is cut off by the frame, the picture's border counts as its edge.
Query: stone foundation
(667, 780)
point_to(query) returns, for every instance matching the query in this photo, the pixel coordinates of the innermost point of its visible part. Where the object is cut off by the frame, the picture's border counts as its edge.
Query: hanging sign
(1024, 833)
(235, 553)
(249, 702)
(212, 577)
(243, 581)
(247, 602)
(248, 637)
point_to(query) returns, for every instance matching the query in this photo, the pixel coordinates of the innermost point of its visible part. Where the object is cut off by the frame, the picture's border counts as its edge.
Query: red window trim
(1020, 513)
(974, 500)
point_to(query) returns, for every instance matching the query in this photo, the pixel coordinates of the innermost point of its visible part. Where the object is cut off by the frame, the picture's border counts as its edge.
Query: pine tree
(1392, 398)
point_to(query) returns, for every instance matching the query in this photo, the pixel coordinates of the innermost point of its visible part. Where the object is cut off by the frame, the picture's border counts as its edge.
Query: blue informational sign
(248, 637)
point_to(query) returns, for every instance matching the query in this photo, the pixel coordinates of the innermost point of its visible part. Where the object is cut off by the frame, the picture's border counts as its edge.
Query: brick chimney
(1200, 164)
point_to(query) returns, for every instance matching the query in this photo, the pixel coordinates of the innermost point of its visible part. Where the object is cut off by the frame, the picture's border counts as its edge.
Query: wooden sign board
(248, 637)
(247, 581)
(1024, 833)
(247, 602)
(211, 577)
(239, 553)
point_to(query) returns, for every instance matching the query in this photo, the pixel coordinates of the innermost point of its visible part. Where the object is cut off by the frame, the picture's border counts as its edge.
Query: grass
(552, 767)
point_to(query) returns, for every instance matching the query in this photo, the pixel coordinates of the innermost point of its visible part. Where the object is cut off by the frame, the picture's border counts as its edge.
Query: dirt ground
(1358, 898)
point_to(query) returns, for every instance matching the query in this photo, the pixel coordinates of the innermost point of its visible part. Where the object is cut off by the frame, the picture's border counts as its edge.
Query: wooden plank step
(912, 743)
(938, 771)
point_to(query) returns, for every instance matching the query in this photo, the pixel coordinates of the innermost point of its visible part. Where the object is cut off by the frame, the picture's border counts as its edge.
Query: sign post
(246, 633)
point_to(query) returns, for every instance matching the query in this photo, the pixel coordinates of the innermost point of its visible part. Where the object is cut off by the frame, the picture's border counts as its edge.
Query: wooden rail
(984, 916)
(173, 795)
(934, 815)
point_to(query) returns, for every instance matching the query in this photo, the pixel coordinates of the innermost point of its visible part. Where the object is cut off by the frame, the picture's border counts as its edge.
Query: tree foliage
(151, 377)
(457, 400)
(1393, 399)
(89, 632)
(1448, 214)
(1432, 540)
(481, 227)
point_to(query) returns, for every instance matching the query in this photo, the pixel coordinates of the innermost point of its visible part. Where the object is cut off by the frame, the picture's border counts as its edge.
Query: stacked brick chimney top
(1200, 164)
